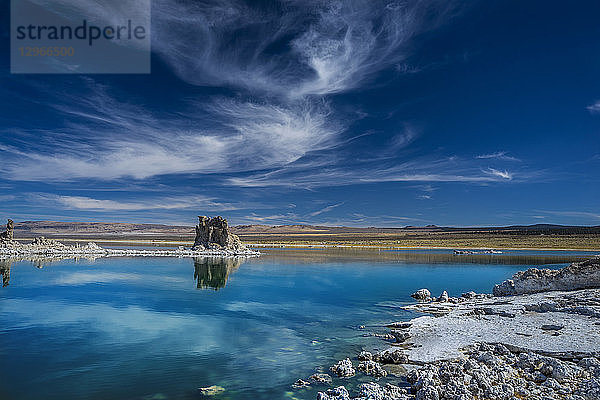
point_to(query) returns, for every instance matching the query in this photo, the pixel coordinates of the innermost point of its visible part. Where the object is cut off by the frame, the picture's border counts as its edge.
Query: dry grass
(439, 240)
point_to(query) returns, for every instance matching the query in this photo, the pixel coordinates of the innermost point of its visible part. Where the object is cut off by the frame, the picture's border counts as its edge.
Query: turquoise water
(159, 328)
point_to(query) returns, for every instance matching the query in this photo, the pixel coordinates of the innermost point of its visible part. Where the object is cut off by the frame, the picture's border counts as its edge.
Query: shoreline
(539, 344)
(172, 243)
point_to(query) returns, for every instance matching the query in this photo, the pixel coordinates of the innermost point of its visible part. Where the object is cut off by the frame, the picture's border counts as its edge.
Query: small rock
(552, 327)
(469, 295)
(365, 356)
(320, 378)
(211, 390)
(399, 325)
(300, 383)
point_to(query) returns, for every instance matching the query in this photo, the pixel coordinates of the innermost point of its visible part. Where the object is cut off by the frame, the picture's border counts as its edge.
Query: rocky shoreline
(212, 239)
(538, 344)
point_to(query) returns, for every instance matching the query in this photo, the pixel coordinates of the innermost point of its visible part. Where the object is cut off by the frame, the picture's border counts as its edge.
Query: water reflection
(5, 272)
(422, 256)
(213, 272)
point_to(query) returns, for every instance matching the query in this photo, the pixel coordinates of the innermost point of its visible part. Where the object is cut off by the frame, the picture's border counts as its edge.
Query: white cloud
(594, 108)
(325, 209)
(167, 203)
(117, 140)
(334, 45)
(573, 214)
(497, 173)
(281, 114)
(499, 155)
(417, 170)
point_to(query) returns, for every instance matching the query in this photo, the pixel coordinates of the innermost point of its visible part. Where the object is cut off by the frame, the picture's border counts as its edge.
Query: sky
(355, 113)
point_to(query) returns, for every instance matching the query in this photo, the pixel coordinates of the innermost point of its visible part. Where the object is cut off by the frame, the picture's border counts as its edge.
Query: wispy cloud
(594, 108)
(424, 169)
(110, 140)
(325, 209)
(573, 214)
(332, 47)
(497, 173)
(167, 203)
(499, 155)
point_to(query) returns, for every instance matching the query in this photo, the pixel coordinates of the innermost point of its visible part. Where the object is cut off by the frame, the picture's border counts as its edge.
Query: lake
(160, 328)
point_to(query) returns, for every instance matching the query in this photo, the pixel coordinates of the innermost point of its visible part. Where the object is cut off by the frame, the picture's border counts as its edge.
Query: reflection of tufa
(8, 234)
(213, 234)
(213, 272)
(5, 272)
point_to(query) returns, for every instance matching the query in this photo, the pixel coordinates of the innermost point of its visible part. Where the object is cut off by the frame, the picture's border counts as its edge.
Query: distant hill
(96, 229)
(122, 230)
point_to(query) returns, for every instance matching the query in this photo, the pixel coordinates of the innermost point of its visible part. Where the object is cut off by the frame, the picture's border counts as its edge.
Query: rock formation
(212, 239)
(213, 234)
(582, 275)
(8, 234)
(421, 295)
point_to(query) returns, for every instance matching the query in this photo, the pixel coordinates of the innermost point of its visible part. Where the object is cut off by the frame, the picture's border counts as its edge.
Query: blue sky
(358, 113)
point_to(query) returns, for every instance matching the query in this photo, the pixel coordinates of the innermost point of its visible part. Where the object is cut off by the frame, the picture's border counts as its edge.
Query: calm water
(159, 328)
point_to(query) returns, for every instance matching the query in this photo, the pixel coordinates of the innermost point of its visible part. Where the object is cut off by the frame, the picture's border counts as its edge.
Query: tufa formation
(213, 234)
(579, 275)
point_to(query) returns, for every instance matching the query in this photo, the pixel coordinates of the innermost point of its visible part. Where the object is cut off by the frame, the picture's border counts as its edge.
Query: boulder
(391, 356)
(339, 393)
(214, 234)
(443, 297)
(343, 368)
(373, 391)
(372, 368)
(421, 295)
(581, 275)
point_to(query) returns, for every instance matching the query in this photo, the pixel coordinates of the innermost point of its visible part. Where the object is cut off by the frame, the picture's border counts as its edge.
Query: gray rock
(421, 295)
(213, 233)
(339, 393)
(427, 393)
(589, 389)
(372, 368)
(552, 327)
(443, 297)
(581, 275)
(320, 378)
(343, 368)
(373, 391)
(300, 383)
(400, 335)
(365, 356)
(391, 356)
(399, 325)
